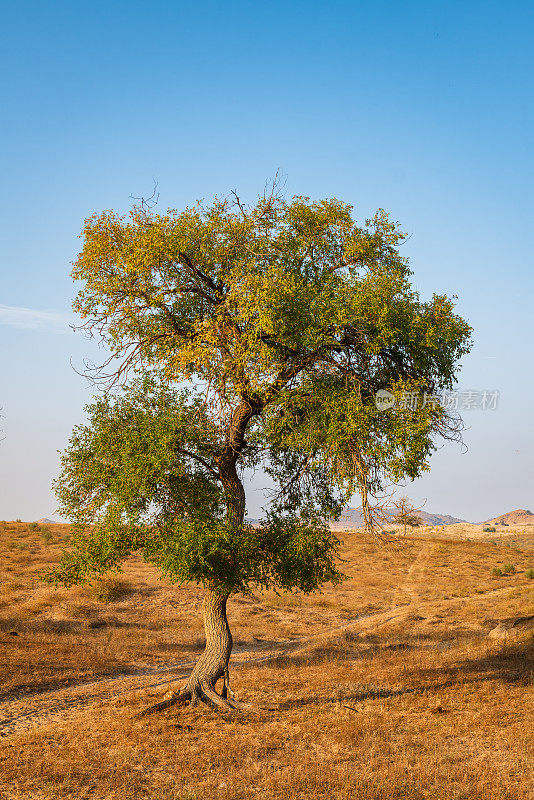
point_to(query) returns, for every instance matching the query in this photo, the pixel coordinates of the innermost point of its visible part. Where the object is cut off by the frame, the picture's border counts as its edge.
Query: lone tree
(243, 337)
(406, 514)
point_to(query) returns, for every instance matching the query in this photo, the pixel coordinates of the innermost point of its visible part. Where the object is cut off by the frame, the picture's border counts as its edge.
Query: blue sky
(422, 108)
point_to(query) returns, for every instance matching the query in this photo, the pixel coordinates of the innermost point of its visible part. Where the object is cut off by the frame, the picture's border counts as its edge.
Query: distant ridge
(353, 518)
(46, 521)
(521, 516)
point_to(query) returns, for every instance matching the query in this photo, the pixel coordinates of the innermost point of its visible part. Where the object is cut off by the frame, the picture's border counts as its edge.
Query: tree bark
(213, 663)
(228, 458)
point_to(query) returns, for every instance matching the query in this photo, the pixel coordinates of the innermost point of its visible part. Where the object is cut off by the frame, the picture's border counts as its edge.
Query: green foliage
(136, 451)
(131, 473)
(33, 526)
(46, 534)
(284, 320)
(290, 553)
(489, 529)
(529, 573)
(506, 569)
(410, 520)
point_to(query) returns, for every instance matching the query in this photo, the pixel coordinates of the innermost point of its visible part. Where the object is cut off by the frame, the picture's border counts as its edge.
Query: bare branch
(147, 204)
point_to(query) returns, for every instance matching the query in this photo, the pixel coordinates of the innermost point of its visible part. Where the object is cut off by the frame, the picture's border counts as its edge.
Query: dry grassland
(384, 687)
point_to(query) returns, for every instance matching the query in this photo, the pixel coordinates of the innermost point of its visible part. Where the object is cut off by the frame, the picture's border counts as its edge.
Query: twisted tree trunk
(212, 664)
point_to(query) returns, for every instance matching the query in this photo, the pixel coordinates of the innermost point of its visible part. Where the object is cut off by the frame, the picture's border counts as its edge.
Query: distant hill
(46, 521)
(520, 516)
(353, 518)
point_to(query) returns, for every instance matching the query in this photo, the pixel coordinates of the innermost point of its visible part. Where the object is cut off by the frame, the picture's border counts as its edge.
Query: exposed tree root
(174, 698)
(202, 692)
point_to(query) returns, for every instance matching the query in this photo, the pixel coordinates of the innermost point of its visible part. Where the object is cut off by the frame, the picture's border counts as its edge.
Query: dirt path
(406, 591)
(39, 708)
(42, 708)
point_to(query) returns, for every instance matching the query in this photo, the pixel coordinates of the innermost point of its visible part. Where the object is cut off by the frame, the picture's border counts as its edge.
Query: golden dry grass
(412, 701)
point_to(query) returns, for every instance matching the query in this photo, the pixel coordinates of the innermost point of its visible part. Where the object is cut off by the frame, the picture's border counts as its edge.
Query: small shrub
(497, 572)
(489, 529)
(18, 520)
(33, 526)
(508, 569)
(46, 533)
(530, 574)
(109, 589)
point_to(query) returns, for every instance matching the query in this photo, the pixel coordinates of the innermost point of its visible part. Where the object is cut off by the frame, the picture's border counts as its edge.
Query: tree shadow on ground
(24, 626)
(19, 626)
(351, 648)
(512, 662)
(374, 693)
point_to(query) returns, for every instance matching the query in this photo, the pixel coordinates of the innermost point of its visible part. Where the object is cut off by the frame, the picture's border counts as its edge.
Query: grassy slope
(425, 706)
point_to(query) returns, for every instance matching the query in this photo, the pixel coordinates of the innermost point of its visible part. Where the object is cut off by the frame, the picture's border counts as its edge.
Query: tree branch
(200, 460)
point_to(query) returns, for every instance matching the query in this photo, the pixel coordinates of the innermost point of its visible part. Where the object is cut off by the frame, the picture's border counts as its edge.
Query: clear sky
(422, 108)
